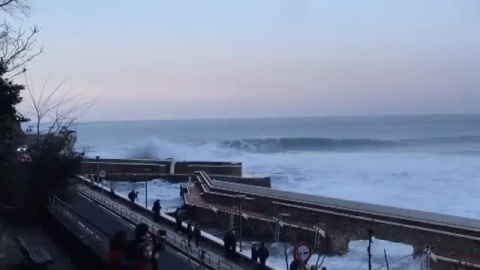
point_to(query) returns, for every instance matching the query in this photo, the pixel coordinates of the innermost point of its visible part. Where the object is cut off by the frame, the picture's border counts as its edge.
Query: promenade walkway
(212, 253)
(110, 223)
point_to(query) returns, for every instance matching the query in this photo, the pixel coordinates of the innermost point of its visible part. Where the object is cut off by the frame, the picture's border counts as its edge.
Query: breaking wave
(328, 144)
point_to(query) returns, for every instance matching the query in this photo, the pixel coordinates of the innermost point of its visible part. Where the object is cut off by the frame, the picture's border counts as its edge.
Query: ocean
(429, 163)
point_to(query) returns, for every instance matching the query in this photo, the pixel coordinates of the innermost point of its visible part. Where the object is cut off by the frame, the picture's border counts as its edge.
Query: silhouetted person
(263, 255)
(230, 243)
(132, 196)
(112, 191)
(197, 233)
(159, 241)
(178, 221)
(141, 235)
(189, 232)
(254, 253)
(156, 210)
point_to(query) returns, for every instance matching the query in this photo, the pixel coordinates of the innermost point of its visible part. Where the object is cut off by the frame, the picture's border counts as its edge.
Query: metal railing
(85, 188)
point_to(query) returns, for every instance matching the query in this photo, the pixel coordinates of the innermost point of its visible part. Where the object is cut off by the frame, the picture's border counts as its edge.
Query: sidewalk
(34, 236)
(212, 256)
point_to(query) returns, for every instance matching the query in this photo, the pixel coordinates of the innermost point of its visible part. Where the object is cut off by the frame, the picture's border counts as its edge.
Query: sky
(154, 59)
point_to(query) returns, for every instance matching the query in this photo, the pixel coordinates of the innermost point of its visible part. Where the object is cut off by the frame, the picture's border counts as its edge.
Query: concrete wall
(161, 167)
(114, 167)
(254, 181)
(218, 168)
(344, 227)
(253, 229)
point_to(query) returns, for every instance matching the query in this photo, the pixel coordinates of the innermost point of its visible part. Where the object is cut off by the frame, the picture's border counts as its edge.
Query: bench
(37, 256)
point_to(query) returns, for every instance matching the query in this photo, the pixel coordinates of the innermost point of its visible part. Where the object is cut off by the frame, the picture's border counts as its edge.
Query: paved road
(110, 223)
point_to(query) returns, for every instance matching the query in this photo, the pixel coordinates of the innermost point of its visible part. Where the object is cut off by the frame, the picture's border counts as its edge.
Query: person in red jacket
(118, 244)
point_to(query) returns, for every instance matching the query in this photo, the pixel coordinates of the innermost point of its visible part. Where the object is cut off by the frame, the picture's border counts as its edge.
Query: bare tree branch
(17, 47)
(11, 7)
(59, 105)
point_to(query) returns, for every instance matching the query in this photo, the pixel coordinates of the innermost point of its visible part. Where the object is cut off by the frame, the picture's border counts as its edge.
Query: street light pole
(98, 167)
(146, 186)
(240, 216)
(146, 191)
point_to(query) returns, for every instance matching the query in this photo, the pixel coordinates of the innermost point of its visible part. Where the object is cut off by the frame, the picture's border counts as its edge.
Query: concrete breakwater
(329, 224)
(170, 170)
(172, 167)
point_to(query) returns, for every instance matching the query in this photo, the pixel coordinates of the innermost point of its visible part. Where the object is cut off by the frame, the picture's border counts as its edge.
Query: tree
(16, 50)
(58, 105)
(10, 132)
(17, 46)
(13, 6)
(55, 161)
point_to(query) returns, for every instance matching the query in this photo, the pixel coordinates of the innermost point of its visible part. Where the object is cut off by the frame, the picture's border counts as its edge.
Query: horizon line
(282, 117)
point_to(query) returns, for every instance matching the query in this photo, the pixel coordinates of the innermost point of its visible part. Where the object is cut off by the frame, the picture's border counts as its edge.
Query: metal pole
(98, 167)
(146, 190)
(386, 259)
(369, 249)
(240, 216)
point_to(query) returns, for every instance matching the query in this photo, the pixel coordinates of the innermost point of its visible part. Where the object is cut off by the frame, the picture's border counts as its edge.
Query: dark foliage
(54, 162)
(10, 131)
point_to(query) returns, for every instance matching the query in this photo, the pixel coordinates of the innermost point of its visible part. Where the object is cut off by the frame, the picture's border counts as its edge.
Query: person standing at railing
(112, 189)
(254, 254)
(230, 243)
(178, 220)
(189, 232)
(197, 233)
(156, 210)
(133, 196)
(263, 255)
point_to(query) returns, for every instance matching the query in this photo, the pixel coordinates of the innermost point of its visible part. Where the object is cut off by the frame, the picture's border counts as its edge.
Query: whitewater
(429, 163)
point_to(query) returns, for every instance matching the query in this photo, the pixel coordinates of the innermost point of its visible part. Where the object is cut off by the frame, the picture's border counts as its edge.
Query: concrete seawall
(341, 221)
(112, 166)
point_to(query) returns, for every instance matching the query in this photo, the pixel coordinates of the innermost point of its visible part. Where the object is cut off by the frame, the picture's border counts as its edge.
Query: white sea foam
(423, 181)
(399, 256)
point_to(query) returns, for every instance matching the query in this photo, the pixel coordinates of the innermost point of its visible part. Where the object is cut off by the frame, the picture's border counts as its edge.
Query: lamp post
(241, 215)
(146, 186)
(98, 167)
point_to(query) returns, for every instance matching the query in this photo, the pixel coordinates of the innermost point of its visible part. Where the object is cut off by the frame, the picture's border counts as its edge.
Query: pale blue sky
(217, 59)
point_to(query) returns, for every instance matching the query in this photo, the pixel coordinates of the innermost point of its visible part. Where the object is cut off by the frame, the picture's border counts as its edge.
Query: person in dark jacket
(254, 253)
(156, 210)
(230, 243)
(178, 221)
(141, 235)
(263, 255)
(132, 196)
(227, 239)
(197, 233)
(189, 232)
